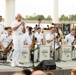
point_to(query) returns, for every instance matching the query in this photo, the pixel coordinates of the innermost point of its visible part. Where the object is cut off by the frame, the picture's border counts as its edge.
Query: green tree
(48, 18)
(40, 16)
(63, 18)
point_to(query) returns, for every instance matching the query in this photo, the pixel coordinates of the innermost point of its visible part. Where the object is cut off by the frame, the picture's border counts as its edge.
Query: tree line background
(49, 18)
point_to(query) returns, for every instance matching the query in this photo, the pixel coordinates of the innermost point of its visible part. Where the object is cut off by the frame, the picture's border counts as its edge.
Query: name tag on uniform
(44, 52)
(66, 52)
(25, 56)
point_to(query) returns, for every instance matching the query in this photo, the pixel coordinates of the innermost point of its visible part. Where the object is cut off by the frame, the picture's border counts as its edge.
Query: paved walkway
(62, 65)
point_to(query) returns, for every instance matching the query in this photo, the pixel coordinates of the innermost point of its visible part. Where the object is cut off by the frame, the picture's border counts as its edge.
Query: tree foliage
(62, 18)
(37, 17)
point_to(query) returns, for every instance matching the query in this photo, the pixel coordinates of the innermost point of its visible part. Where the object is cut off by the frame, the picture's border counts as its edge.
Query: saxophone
(8, 48)
(61, 36)
(33, 42)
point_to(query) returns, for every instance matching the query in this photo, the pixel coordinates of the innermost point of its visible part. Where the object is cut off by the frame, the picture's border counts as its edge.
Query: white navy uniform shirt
(19, 30)
(39, 37)
(69, 39)
(50, 36)
(41, 26)
(27, 38)
(2, 27)
(5, 39)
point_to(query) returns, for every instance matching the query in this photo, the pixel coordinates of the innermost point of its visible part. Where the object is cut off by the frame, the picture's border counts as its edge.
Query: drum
(66, 52)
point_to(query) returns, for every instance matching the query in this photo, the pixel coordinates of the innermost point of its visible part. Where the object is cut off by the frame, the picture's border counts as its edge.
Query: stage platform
(63, 68)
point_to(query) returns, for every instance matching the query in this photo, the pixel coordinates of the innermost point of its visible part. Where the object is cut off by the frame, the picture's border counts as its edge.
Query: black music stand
(33, 65)
(54, 42)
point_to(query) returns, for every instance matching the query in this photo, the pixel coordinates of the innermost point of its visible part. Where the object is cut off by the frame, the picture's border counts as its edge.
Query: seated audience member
(18, 73)
(27, 71)
(38, 72)
(49, 73)
(73, 72)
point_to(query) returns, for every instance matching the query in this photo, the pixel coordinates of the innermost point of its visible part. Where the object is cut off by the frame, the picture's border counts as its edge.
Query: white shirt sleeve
(24, 37)
(41, 26)
(47, 37)
(2, 38)
(13, 24)
(35, 35)
(66, 38)
(41, 36)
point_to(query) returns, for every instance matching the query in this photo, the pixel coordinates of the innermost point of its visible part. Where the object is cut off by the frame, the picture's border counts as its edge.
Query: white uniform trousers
(18, 46)
(36, 55)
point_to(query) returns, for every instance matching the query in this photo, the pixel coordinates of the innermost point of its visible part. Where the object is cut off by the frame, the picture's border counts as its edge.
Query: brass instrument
(73, 43)
(42, 40)
(33, 42)
(61, 36)
(60, 32)
(8, 48)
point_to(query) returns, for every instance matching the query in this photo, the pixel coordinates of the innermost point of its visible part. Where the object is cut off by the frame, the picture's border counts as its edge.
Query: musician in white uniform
(70, 40)
(51, 41)
(38, 24)
(18, 27)
(27, 37)
(70, 37)
(50, 37)
(5, 39)
(39, 36)
(39, 40)
(1, 25)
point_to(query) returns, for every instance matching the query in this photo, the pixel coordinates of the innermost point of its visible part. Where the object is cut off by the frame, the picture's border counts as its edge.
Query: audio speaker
(46, 65)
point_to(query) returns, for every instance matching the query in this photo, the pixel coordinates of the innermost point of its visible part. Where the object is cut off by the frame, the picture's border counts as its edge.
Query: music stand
(54, 42)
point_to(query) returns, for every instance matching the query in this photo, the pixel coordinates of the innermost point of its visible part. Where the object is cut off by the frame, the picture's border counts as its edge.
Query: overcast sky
(45, 7)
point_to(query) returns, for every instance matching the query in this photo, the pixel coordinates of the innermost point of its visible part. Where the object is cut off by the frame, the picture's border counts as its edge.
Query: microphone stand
(33, 59)
(54, 45)
(74, 47)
